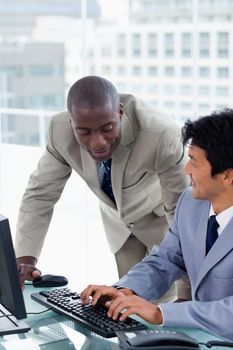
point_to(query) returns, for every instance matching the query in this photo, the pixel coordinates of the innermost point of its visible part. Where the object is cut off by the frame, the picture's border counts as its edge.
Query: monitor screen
(11, 298)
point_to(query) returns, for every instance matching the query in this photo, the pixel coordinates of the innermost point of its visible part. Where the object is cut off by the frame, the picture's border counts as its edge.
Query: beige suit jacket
(147, 179)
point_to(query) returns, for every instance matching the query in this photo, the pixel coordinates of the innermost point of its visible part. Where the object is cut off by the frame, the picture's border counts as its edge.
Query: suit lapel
(89, 169)
(221, 247)
(200, 238)
(119, 159)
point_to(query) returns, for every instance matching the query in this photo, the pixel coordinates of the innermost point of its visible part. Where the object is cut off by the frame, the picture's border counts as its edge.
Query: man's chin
(101, 157)
(195, 194)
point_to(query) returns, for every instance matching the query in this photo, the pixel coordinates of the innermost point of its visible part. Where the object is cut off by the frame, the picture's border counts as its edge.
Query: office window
(106, 69)
(169, 71)
(121, 45)
(222, 91)
(186, 90)
(169, 45)
(121, 70)
(186, 105)
(203, 90)
(204, 72)
(223, 72)
(16, 102)
(106, 46)
(136, 70)
(92, 69)
(39, 70)
(204, 44)
(203, 107)
(9, 70)
(152, 71)
(169, 90)
(51, 101)
(223, 44)
(21, 130)
(152, 45)
(186, 44)
(186, 71)
(136, 45)
(152, 88)
(106, 50)
(169, 105)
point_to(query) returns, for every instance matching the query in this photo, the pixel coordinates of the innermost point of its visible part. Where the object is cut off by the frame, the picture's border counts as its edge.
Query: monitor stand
(9, 324)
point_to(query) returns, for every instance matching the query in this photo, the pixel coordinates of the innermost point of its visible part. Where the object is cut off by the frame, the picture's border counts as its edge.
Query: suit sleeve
(213, 316)
(44, 189)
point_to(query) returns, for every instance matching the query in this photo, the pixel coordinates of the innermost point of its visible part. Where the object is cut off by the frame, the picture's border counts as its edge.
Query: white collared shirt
(222, 218)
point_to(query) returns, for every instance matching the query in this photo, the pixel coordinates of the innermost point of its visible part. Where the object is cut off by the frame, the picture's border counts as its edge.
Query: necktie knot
(212, 233)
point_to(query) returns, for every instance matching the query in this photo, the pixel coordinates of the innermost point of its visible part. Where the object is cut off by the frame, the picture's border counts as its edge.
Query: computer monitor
(12, 308)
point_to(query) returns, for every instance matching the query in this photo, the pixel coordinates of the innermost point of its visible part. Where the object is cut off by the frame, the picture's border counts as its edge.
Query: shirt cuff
(161, 324)
(122, 287)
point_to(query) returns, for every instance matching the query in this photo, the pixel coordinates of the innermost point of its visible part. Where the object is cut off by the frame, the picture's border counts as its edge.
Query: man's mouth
(102, 154)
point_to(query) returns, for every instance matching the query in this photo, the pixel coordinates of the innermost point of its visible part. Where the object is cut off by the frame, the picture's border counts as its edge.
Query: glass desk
(50, 331)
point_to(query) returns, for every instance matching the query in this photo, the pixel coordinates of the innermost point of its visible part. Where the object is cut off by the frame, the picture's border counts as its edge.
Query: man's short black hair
(214, 134)
(91, 92)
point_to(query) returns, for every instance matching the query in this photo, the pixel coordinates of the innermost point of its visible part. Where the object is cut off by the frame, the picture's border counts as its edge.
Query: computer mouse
(49, 281)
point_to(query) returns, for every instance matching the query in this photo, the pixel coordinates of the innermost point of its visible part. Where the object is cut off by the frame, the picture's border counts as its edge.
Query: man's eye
(107, 128)
(82, 132)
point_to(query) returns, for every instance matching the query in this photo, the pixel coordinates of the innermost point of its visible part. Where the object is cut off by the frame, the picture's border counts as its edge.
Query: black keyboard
(68, 303)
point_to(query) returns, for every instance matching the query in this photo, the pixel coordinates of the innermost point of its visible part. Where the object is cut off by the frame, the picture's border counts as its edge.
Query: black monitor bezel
(11, 296)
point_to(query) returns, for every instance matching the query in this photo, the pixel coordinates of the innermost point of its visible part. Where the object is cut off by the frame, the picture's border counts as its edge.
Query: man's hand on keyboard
(122, 303)
(124, 306)
(27, 269)
(103, 294)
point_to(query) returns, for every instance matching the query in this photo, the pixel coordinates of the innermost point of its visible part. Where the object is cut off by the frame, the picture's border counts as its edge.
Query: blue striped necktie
(212, 233)
(106, 182)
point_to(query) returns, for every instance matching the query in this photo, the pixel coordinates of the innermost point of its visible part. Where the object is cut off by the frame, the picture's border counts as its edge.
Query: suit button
(130, 225)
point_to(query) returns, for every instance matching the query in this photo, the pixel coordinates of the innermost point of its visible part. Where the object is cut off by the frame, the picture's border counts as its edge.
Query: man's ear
(121, 110)
(228, 176)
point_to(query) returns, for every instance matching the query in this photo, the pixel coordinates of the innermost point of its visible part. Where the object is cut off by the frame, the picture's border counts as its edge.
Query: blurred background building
(176, 54)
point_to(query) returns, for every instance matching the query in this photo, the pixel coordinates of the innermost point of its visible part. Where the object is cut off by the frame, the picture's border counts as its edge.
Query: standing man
(198, 244)
(106, 137)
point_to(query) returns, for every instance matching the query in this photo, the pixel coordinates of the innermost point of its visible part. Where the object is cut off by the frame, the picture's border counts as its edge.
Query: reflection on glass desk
(50, 331)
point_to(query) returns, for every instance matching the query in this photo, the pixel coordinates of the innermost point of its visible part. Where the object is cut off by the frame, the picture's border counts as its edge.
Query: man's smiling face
(97, 130)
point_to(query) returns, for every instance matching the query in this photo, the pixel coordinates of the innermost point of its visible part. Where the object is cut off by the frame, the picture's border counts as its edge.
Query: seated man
(204, 214)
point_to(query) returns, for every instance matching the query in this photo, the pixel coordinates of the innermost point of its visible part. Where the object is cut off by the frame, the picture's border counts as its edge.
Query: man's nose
(98, 141)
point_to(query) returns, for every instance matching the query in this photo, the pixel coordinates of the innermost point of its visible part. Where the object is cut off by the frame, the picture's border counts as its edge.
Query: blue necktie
(212, 233)
(107, 183)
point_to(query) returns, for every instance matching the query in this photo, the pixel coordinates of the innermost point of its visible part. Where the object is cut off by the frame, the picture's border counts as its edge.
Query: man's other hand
(124, 306)
(27, 269)
(102, 294)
